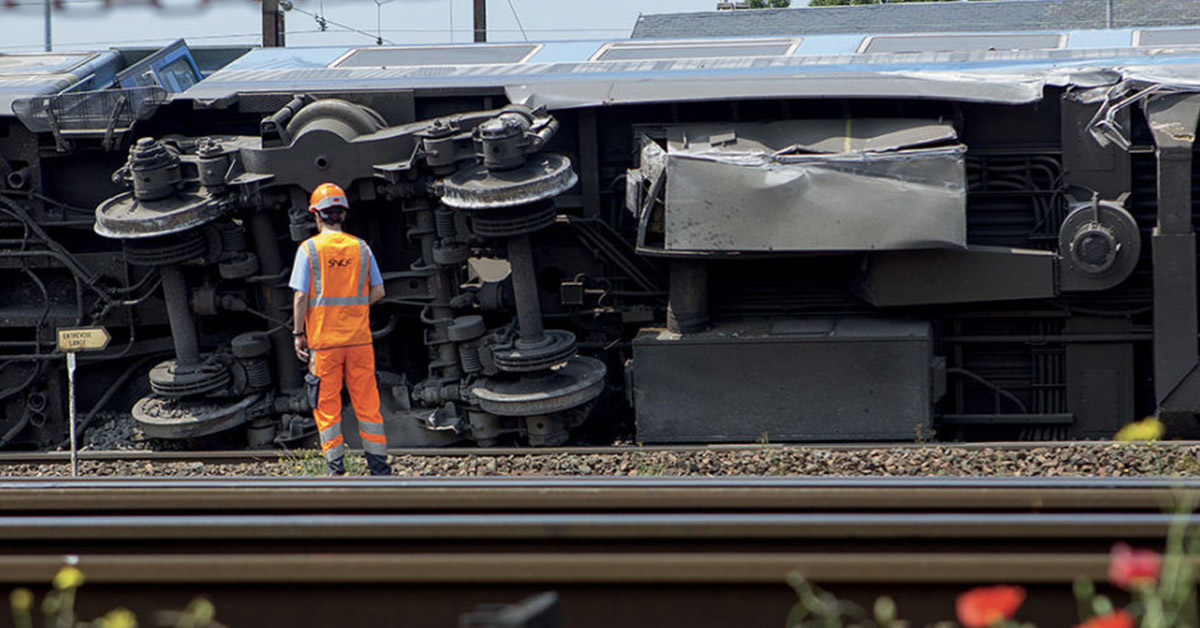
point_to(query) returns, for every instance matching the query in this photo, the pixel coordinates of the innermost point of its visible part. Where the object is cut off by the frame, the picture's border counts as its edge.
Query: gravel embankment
(1084, 459)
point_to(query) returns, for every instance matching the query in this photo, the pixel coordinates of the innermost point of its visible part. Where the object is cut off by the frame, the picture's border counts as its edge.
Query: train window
(177, 75)
(696, 49)
(171, 68)
(476, 54)
(962, 43)
(1167, 37)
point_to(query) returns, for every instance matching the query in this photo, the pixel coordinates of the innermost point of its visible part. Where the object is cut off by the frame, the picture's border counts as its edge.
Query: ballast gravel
(119, 432)
(1092, 460)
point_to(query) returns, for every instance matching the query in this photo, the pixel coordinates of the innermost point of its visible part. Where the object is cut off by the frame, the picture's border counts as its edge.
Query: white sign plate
(83, 339)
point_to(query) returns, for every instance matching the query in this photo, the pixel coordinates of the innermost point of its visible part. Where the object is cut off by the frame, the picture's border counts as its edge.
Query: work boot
(336, 466)
(378, 465)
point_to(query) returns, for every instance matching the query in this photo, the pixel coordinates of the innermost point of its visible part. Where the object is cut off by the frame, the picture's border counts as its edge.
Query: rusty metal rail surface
(620, 551)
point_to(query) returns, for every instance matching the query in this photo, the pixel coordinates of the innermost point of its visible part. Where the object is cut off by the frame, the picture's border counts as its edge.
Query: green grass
(308, 462)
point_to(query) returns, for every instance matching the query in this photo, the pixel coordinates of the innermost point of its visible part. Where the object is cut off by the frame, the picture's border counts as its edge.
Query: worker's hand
(301, 344)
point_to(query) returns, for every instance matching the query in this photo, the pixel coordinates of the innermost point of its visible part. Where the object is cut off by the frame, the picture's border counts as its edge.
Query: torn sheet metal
(1138, 85)
(810, 136)
(798, 186)
(648, 177)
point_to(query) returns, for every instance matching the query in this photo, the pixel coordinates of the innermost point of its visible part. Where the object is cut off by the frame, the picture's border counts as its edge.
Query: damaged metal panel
(825, 185)
(797, 137)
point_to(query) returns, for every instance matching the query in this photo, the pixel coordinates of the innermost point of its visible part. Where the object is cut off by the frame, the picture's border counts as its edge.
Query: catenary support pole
(480, 20)
(46, 12)
(272, 24)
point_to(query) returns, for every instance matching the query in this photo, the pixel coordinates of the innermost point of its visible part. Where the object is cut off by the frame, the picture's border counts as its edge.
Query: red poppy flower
(1130, 568)
(1116, 619)
(985, 606)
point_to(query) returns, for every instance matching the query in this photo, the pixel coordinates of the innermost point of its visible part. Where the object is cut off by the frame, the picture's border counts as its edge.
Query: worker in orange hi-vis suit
(336, 279)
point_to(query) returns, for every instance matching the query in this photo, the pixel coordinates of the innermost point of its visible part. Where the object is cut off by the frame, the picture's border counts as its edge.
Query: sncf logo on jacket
(338, 294)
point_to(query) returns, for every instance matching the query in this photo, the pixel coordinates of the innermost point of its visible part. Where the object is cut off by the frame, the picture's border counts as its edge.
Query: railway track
(628, 552)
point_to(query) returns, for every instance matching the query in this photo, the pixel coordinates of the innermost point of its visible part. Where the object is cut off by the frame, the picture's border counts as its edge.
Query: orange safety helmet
(327, 196)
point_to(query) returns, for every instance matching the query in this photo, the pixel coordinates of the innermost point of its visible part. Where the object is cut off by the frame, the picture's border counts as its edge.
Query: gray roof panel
(477, 54)
(702, 49)
(962, 43)
(1168, 37)
(922, 17)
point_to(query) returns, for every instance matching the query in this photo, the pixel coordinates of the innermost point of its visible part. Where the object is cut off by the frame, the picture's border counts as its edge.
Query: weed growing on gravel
(1187, 465)
(302, 462)
(58, 608)
(778, 466)
(645, 467)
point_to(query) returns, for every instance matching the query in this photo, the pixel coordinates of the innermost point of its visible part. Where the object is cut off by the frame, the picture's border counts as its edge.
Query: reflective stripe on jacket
(338, 291)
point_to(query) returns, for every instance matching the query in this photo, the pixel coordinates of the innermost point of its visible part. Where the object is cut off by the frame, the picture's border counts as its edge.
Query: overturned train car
(656, 244)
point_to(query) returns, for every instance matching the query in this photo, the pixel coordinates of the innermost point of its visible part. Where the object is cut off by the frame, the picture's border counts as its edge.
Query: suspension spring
(258, 374)
(469, 355)
(446, 227)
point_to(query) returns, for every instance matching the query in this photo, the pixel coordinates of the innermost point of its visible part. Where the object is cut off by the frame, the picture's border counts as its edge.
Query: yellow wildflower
(201, 611)
(119, 617)
(67, 577)
(1148, 428)
(21, 600)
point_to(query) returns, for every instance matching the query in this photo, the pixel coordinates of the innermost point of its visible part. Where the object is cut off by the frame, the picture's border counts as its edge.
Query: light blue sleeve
(376, 278)
(300, 273)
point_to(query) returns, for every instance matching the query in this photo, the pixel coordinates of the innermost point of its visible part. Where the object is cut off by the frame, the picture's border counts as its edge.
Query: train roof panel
(963, 43)
(1167, 37)
(41, 63)
(39, 74)
(923, 17)
(466, 54)
(696, 49)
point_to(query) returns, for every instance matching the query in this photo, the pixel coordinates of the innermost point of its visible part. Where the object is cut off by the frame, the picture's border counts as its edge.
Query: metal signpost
(73, 340)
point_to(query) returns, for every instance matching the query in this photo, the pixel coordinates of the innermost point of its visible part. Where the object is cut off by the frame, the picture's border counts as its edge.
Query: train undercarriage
(779, 269)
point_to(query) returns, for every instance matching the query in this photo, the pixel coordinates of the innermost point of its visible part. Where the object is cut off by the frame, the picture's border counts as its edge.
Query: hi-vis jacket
(338, 291)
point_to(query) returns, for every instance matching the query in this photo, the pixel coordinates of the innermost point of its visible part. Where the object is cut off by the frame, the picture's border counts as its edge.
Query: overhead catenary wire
(323, 20)
(379, 20)
(517, 18)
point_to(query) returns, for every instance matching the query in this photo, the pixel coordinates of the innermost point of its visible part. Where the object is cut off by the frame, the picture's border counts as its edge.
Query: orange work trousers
(356, 367)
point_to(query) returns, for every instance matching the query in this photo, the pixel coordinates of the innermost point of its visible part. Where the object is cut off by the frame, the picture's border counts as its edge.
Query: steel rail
(564, 568)
(600, 534)
(590, 494)
(620, 551)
